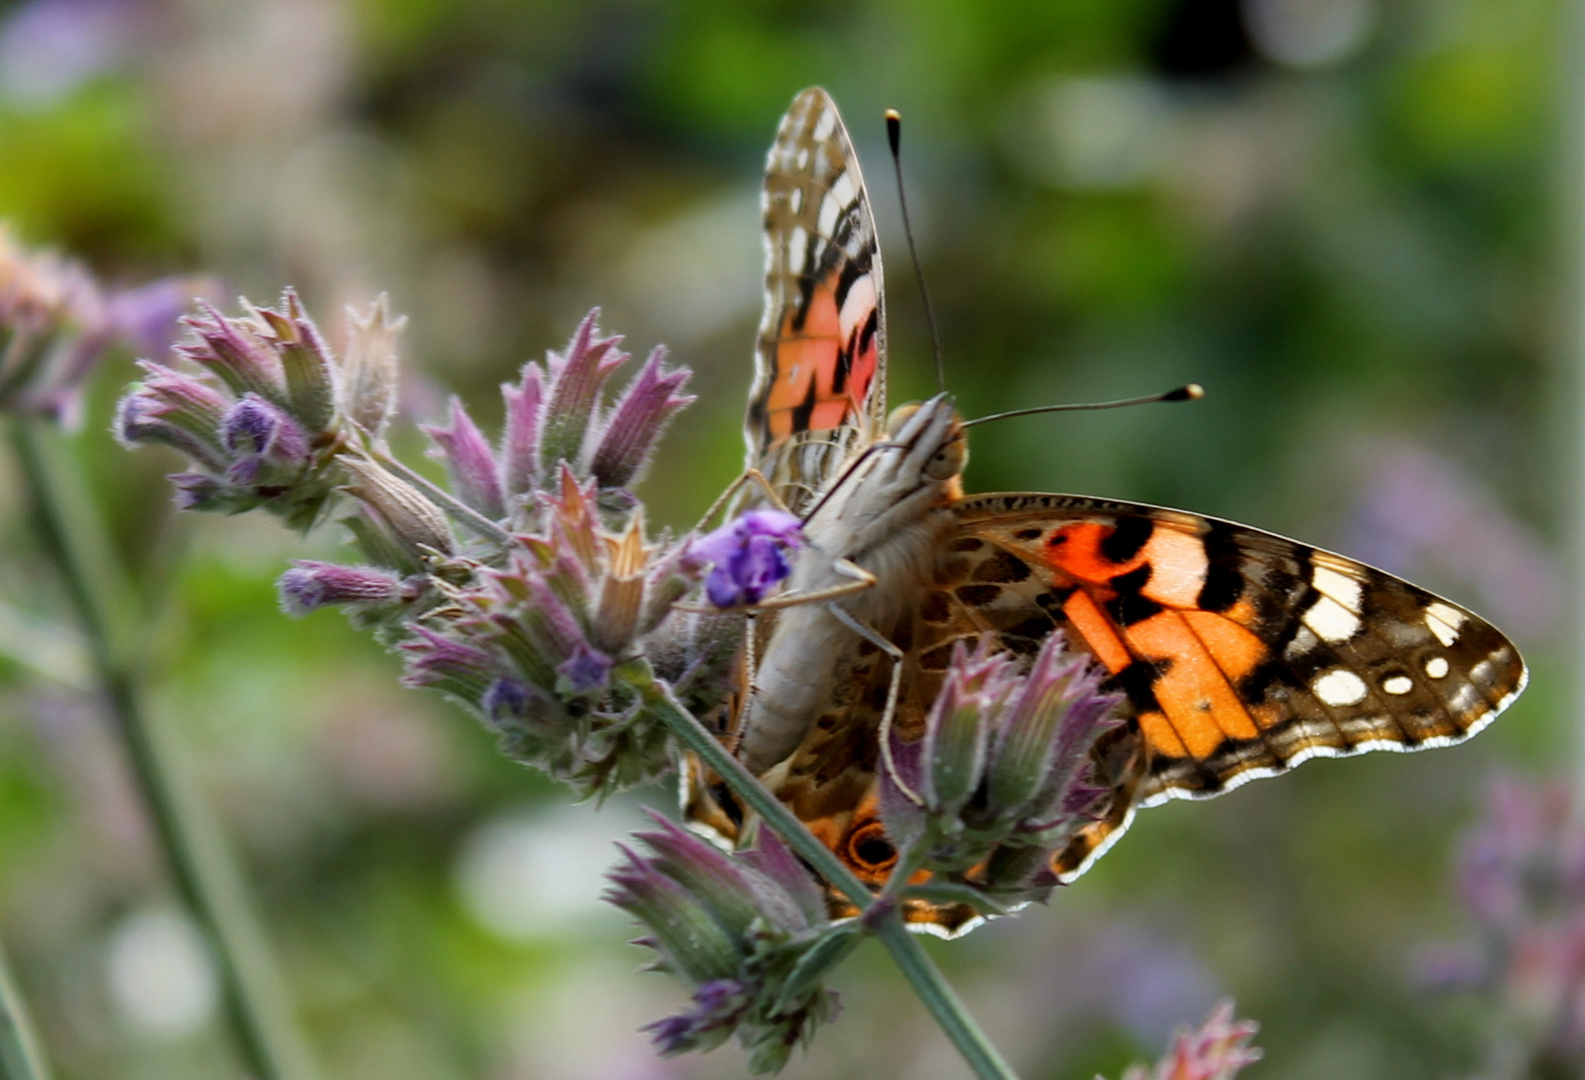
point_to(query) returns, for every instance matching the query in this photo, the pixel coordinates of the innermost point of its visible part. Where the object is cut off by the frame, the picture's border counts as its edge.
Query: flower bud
(413, 520)
(304, 360)
(576, 379)
(634, 427)
(235, 352)
(520, 438)
(468, 457)
(747, 931)
(369, 369)
(311, 585)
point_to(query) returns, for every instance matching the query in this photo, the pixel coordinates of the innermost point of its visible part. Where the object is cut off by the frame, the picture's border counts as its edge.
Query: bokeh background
(1349, 219)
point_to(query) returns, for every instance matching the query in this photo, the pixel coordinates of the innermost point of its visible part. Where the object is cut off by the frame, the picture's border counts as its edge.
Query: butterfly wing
(1241, 653)
(820, 365)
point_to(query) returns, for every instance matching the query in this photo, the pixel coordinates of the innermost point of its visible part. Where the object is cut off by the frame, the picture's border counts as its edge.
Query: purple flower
(1001, 776)
(310, 585)
(149, 317)
(585, 671)
(468, 457)
(741, 930)
(235, 351)
(750, 556)
(576, 379)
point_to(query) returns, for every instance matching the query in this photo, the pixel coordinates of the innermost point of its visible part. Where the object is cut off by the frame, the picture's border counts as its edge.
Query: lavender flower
(1000, 778)
(1217, 1050)
(750, 556)
(554, 664)
(57, 322)
(632, 428)
(311, 585)
(474, 474)
(1521, 872)
(747, 931)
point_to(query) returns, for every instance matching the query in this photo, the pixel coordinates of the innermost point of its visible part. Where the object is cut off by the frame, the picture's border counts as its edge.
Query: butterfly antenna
(894, 136)
(1191, 392)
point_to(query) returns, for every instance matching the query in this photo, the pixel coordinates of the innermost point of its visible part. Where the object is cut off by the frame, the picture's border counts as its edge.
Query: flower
(311, 585)
(1521, 872)
(750, 556)
(748, 931)
(545, 648)
(1217, 1050)
(57, 322)
(1000, 778)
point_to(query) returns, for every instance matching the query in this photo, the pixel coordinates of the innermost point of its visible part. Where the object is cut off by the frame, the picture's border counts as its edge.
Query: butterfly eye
(950, 459)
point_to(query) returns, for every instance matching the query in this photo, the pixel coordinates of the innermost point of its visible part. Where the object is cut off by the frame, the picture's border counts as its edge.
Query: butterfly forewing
(819, 388)
(1240, 653)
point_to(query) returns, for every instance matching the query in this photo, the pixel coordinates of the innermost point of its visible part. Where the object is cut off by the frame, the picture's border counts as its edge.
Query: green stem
(206, 878)
(917, 967)
(20, 1055)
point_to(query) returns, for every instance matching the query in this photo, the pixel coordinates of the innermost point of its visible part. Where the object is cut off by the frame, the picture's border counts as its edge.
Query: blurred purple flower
(149, 317)
(750, 556)
(50, 47)
(1521, 871)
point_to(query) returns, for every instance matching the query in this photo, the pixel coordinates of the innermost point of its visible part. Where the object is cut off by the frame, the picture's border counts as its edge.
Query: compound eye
(950, 459)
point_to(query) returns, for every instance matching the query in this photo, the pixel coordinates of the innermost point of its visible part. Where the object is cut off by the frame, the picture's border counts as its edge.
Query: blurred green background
(1346, 218)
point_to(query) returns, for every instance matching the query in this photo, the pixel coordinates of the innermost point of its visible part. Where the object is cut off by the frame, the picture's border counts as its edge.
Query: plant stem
(917, 967)
(206, 878)
(20, 1055)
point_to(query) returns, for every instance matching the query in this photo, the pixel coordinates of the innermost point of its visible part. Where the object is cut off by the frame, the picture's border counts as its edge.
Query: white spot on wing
(843, 190)
(1330, 619)
(1397, 684)
(1444, 621)
(1340, 587)
(830, 209)
(1436, 667)
(858, 303)
(1339, 687)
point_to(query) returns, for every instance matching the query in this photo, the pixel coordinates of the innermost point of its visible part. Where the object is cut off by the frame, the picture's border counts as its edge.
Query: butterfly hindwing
(820, 364)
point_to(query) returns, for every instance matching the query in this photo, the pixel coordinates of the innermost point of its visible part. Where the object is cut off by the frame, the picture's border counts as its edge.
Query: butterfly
(1237, 654)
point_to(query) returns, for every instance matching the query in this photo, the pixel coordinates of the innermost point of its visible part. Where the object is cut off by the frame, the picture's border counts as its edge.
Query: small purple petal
(586, 670)
(256, 427)
(749, 555)
(471, 462)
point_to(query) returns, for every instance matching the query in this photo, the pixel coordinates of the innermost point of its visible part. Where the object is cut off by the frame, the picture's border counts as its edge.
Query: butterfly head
(936, 419)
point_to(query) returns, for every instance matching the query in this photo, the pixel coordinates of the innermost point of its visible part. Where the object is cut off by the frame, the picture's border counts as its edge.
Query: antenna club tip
(894, 129)
(1192, 392)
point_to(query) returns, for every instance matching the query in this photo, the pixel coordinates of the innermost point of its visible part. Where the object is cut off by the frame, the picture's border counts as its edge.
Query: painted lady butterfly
(1240, 654)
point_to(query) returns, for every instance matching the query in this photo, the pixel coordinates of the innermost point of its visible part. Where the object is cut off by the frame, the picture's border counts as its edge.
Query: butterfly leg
(749, 476)
(874, 637)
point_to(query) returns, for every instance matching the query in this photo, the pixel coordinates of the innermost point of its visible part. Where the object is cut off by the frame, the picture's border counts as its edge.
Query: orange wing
(820, 381)
(1243, 654)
